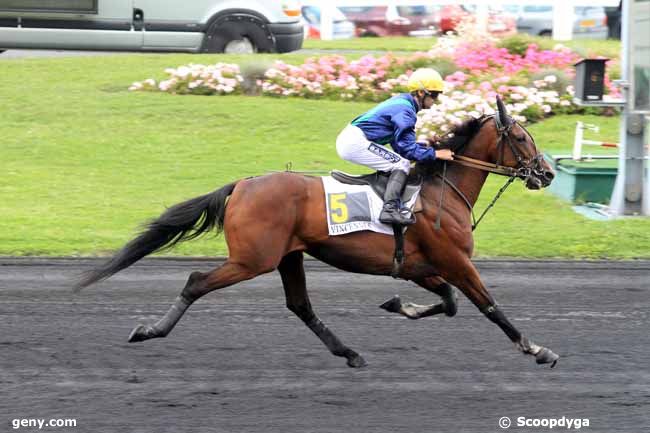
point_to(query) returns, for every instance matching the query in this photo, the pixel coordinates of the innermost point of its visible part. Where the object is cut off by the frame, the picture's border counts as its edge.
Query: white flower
(183, 72)
(550, 79)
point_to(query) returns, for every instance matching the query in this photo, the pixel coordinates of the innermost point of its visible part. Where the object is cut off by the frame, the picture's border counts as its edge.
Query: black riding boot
(393, 212)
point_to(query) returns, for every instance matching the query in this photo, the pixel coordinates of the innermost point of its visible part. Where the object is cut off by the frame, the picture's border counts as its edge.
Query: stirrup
(394, 214)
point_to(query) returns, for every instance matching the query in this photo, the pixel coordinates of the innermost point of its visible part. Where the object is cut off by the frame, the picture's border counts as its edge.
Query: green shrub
(560, 85)
(533, 113)
(516, 44)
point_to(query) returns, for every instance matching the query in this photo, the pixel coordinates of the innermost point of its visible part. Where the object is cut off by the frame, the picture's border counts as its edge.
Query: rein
(457, 190)
(524, 170)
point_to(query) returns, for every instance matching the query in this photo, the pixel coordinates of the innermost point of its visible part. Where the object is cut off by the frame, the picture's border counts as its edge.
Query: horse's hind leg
(437, 285)
(198, 284)
(295, 289)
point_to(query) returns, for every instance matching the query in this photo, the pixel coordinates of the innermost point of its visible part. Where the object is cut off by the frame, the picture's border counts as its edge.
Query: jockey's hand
(445, 154)
(433, 142)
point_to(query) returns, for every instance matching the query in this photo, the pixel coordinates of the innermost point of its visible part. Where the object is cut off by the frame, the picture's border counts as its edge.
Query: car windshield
(356, 10)
(587, 10)
(416, 10)
(312, 13)
(538, 9)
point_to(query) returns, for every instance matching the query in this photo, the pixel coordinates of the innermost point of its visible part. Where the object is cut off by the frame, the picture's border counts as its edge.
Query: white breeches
(352, 145)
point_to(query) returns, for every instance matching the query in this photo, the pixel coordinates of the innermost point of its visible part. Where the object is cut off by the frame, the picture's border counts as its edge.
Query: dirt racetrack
(239, 361)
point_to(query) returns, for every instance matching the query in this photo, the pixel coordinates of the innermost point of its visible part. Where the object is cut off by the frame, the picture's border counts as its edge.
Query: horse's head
(514, 147)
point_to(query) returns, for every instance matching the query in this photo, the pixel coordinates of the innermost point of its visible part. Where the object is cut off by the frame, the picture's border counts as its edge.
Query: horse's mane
(455, 140)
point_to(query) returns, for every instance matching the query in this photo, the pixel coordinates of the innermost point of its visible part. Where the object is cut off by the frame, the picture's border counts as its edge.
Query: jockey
(393, 122)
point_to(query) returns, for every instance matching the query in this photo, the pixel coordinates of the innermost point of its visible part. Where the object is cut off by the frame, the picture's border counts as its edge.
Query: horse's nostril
(549, 175)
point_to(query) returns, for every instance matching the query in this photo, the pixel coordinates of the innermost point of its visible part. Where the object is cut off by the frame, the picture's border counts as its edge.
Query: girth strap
(398, 256)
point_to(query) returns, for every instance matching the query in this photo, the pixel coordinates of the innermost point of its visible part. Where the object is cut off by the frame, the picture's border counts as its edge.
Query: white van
(213, 26)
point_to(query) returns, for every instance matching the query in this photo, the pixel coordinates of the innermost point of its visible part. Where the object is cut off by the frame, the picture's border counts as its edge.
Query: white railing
(579, 140)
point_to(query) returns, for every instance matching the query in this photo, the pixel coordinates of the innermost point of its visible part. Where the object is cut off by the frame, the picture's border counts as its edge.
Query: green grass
(393, 43)
(85, 162)
(591, 47)
(594, 47)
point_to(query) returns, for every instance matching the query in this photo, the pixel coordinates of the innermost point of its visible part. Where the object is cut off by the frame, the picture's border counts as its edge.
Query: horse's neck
(468, 180)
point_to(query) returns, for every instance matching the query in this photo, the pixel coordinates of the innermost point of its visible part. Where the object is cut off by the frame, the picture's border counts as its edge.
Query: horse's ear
(503, 112)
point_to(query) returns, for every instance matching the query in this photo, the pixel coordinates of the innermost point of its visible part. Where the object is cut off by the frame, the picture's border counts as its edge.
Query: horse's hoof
(141, 333)
(356, 361)
(392, 305)
(546, 356)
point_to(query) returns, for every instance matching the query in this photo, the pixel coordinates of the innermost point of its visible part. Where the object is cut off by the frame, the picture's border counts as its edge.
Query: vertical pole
(577, 142)
(563, 13)
(628, 194)
(326, 20)
(482, 13)
(646, 169)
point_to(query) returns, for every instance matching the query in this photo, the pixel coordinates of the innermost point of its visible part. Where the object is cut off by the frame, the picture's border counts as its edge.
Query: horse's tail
(181, 222)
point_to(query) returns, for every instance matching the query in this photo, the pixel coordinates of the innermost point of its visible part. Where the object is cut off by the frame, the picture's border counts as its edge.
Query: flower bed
(218, 79)
(533, 83)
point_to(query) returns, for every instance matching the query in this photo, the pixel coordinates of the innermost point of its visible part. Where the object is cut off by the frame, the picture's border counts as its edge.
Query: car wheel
(241, 46)
(238, 34)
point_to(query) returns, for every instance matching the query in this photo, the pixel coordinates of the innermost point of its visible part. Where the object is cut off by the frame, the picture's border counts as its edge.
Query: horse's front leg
(437, 285)
(467, 279)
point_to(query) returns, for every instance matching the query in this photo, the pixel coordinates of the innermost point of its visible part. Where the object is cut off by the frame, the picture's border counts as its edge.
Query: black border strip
(93, 11)
(152, 26)
(173, 26)
(33, 23)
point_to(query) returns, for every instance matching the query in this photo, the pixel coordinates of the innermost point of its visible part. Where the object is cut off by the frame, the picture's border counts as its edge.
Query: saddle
(378, 180)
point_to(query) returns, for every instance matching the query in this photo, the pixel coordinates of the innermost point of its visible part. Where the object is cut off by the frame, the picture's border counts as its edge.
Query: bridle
(524, 170)
(525, 167)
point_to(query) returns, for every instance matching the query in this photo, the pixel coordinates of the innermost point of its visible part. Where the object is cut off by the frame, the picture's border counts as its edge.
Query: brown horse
(270, 221)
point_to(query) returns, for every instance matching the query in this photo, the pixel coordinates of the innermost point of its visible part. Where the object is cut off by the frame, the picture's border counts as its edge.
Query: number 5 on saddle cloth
(353, 203)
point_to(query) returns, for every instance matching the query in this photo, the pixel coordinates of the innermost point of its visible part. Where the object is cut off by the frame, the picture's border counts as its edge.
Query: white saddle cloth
(353, 208)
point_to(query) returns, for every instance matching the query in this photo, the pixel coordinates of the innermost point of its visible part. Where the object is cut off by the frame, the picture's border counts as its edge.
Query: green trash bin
(583, 181)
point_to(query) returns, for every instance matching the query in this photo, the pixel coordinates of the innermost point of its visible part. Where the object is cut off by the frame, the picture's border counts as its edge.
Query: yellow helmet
(425, 79)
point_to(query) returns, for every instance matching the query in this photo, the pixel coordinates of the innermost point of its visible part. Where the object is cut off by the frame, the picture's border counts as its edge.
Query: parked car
(342, 27)
(391, 20)
(152, 25)
(537, 20)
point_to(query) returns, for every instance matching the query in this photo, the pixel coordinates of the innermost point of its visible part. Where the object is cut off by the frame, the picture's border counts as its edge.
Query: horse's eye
(521, 139)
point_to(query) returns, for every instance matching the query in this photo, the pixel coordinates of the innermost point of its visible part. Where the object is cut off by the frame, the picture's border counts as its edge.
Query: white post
(632, 181)
(482, 13)
(577, 142)
(646, 164)
(326, 20)
(563, 13)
